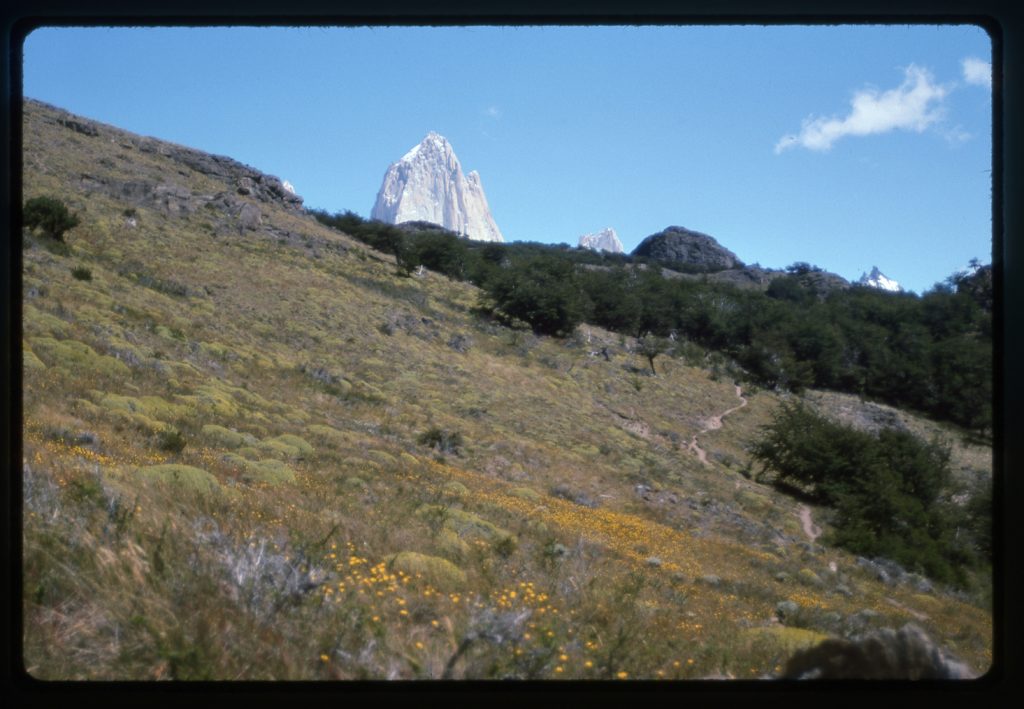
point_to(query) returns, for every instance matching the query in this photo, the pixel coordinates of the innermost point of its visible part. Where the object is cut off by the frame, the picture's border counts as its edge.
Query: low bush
(49, 215)
(443, 441)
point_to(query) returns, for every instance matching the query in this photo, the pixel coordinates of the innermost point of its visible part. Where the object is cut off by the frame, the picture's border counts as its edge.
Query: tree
(887, 490)
(540, 291)
(651, 346)
(50, 216)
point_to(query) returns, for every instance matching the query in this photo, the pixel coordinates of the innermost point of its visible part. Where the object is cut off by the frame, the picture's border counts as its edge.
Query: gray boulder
(907, 654)
(687, 250)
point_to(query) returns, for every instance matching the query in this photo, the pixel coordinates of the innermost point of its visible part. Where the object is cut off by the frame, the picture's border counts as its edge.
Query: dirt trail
(713, 424)
(812, 530)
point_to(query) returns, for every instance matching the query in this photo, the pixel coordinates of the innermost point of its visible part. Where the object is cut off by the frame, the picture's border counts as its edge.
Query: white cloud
(913, 105)
(977, 72)
(492, 112)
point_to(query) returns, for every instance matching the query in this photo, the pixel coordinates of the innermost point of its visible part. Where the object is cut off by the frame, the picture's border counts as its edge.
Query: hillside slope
(252, 451)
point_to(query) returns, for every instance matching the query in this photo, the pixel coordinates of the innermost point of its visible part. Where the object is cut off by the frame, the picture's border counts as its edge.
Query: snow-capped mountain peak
(877, 279)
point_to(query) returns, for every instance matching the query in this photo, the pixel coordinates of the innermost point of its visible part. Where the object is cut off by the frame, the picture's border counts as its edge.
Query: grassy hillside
(230, 470)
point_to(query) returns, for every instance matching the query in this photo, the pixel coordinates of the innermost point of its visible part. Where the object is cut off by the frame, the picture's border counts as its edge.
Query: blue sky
(846, 147)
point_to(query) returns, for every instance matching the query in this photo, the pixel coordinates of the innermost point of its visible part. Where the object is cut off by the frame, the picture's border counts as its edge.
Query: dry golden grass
(267, 356)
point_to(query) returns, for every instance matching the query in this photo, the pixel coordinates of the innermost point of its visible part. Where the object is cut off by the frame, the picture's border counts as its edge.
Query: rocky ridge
(427, 184)
(238, 205)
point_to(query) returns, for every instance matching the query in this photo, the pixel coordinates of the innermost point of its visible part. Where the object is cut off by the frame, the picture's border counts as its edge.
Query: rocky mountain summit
(427, 184)
(877, 279)
(688, 250)
(604, 240)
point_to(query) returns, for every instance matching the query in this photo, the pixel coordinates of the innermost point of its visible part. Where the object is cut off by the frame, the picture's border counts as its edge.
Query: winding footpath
(713, 424)
(812, 530)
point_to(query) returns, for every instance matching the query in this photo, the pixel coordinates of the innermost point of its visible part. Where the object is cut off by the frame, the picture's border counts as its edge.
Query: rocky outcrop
(604, 240)
(687, 250)
(428, 184)
(907, 654)
(164, 194)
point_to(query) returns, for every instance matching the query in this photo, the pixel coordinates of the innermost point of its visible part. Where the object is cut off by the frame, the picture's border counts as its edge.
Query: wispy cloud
(492, 112)
(977, 72)
(914, 105)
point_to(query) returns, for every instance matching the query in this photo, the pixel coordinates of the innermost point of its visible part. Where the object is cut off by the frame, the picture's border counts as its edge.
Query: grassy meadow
(226, 473)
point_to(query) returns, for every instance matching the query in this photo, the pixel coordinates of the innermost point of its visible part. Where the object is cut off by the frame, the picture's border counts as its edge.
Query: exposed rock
(563, 491)
(786, 609)
(884, 570)
(604, 240)
(83, 127)
(907, 654)
(417, 326)
(427, 184)
(249, 216)
(687, 250)
(460, 343)
(173, 199)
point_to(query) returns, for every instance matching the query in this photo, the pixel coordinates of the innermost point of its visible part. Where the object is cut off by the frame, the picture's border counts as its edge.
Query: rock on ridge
(604, 240)
(690, 250)
(427, 184)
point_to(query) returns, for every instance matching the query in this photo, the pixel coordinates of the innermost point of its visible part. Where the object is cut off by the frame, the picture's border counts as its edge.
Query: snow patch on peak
(604, 240)
(434, 140)
(877, 279)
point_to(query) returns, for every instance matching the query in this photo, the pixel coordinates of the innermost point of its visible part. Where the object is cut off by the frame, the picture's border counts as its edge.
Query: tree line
(931, 353)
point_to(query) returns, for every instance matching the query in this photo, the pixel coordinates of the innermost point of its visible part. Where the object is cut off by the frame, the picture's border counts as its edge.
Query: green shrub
(438, 572)
(81, 273)
(888, 490)
(171, 440)
(224, 437)
(183, 477)
(49, 215)
(444, 441)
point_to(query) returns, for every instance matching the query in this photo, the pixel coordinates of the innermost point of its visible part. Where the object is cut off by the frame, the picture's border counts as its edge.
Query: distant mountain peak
(427, 184)
(877, 279)
(604, 240)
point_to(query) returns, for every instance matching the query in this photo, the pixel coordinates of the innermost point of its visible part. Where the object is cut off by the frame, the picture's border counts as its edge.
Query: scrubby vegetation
(891, 492)
(931, 353)
(257, 452)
